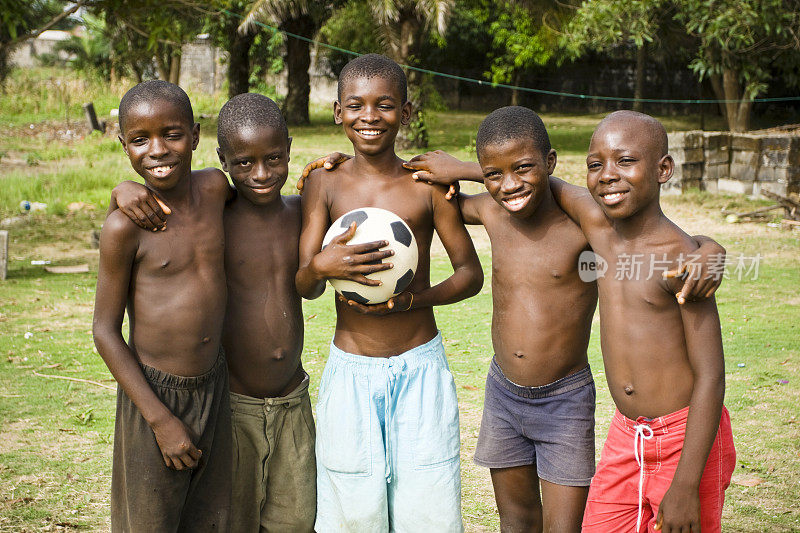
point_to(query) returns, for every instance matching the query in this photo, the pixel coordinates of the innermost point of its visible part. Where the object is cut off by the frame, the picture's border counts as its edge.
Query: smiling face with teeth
(516, 173)
(371, 110)
(159, 141)
(627, 163)
(257, 159)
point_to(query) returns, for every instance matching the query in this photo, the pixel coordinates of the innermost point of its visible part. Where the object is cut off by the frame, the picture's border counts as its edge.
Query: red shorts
(613, 502)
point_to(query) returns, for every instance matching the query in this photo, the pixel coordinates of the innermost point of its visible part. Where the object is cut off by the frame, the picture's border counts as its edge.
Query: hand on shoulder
(329, 162)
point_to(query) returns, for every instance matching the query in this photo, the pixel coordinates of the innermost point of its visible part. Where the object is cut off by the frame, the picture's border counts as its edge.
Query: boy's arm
(575, 201)
(148, 211)
(140, 204)
(329, 162)
(703, 275)
(118, 246)
(467, 277)
(338, 260)
(680, 507)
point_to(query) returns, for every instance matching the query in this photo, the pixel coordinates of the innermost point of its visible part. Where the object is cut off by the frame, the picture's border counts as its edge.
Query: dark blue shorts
(551, 426)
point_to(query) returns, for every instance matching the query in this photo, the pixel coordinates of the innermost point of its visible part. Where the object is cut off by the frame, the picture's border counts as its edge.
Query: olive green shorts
(146, 495)
(274, 468)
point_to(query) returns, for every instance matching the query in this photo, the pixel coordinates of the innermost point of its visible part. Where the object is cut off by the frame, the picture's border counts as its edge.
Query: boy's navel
(628, 389)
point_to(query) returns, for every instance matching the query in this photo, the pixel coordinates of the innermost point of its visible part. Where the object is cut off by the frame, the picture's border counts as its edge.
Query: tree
(21, 21)
(300, 17)
(89, 53)
(165, 25)
(602, 25)
(404, 26)
(742, 44)
(520, 40)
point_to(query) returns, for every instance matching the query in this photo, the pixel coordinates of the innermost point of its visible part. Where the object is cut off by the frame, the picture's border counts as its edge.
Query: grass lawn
(56, 434)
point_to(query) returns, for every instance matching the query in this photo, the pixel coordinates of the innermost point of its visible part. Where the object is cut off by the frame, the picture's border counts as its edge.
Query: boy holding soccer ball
(537, 433)
(387, 417)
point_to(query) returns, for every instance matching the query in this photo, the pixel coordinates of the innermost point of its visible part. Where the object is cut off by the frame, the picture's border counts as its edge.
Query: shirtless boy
(172, 438)
(388, 440)
(669, 454)
(274, 475)
(538, 421)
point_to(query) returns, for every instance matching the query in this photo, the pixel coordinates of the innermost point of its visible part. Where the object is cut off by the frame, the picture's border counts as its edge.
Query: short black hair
(372, 66)
(147, 91)
(511, 123)
(248, 110)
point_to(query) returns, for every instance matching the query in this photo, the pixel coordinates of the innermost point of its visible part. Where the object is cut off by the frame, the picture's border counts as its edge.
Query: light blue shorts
(388, 443)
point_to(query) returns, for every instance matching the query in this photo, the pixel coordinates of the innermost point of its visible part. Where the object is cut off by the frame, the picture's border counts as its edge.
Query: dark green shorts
(274, 468)
(146, 496)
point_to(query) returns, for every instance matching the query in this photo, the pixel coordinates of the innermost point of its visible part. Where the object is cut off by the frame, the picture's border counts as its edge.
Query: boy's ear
(405, 113)
(195, 135)
(337, 113)
(288, 149)
(552, 159)
(222, 160)
(666, 165)
(122, 142)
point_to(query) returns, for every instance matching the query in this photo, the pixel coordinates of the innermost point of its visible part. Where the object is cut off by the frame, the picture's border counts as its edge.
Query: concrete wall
(203, 66)
(739, 163)
(27, 53)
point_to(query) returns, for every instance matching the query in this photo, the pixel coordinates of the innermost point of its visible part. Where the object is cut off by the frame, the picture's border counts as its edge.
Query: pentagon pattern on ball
(375, 224)
(401, 233)
(403, 281)
(350, 295)
(353, 216)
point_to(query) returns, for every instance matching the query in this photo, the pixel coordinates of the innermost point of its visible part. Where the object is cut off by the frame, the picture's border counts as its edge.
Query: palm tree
(301, 17)
(404, 25)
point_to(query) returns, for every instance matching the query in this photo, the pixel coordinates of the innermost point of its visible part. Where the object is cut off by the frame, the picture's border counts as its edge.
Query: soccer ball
(374, 224)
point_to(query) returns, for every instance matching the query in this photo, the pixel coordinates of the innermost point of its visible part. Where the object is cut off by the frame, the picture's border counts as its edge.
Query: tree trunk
(415, 135)
(175, 66)
(737, 114)
(239, 62)
(298, 60)
(4, 68)
(161, 65)
(515, 92)
(638, 88)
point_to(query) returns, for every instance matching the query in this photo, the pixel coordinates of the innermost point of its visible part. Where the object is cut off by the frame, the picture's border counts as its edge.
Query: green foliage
(521, 41)
(90, 53)
(751, 38)
(351, 27)
(18, 18)
(605, 24)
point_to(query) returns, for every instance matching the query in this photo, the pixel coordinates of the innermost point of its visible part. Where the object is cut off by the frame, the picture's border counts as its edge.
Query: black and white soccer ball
(375, 224)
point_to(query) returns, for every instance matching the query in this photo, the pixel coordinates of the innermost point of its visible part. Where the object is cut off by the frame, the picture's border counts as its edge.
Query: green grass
(56, 435)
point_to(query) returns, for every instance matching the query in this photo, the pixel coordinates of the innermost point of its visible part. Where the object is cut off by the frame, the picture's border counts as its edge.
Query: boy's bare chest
(252, 256)
(535, 252)
(187, 244)
(633, 277)
(408, 200)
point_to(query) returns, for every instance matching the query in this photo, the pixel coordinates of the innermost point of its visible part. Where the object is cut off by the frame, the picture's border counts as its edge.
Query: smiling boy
(669, 454)
(172, 437)
(274, 476)
(537, 432)
(387, 417)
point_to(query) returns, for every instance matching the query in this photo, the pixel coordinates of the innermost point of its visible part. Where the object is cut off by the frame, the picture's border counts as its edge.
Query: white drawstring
(396, 367)
(643, 433)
